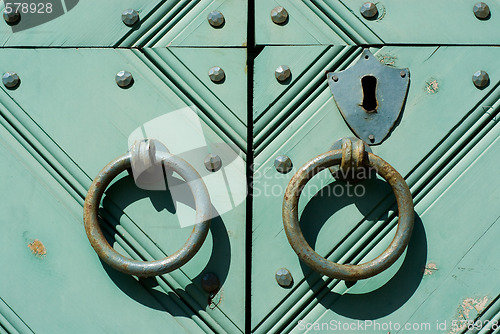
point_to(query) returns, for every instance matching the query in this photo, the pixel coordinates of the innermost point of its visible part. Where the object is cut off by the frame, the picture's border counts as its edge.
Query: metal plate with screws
(370, 96)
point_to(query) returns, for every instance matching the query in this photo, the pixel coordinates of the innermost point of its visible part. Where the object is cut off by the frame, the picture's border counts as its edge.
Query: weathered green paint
(435, 123)
(68, 118)
(94, 23)
(99, 117)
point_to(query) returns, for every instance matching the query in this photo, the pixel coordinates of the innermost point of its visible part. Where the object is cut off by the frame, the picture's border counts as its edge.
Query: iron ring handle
(156, 267)
(346, 271)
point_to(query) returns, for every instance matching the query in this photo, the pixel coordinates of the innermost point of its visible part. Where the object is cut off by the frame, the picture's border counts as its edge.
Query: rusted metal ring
(346, 271)
(156, 267)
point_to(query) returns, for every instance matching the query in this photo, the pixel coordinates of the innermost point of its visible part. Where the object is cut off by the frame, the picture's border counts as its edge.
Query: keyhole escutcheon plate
(370, 96)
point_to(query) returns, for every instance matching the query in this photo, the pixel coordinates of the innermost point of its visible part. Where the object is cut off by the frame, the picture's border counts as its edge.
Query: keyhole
(369, 86)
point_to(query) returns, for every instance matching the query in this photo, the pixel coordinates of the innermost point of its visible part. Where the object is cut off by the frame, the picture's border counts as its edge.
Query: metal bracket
(370, 96)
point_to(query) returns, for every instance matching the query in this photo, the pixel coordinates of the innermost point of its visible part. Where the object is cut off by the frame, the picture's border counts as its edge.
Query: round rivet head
(284, 278)
(10, 79)
(210, 282)
(124, 79)
(216, 19)
(369, 10)
(283, 164)
(216, 74)
(279, 15)
(282, 73)
(130, 17)
(213, 162)
(11, 16)
(481, 79)
(481, 10)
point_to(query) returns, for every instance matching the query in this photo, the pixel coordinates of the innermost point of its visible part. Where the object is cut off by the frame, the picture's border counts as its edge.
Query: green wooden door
(67, 118)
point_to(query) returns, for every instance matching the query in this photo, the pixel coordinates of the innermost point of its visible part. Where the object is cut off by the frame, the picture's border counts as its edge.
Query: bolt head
(124, 79)
(130, 17)
(369, 10)
(213, 162)
(284, 278)
(283, 164)
(210, 282)
(216, 74)
(481, 79)
(10, 79)
(11, 16)
(282, 73)
(481, 10)
(216, 19)
(279, 15)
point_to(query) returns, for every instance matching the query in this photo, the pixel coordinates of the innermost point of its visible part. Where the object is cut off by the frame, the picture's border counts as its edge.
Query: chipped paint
(215, 300)
(387, 59)
(431, 86)
(37, 248)
(468, 305)
(430, 268)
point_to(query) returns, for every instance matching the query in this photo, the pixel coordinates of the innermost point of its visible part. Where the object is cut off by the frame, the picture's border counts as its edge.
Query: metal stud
(11, 17)
(369, 10)
(284, 277)
(279, 15)
(216, 74)
(216, 19)
(210, 282)
(10, 79)
(481, 10)
(213, 162)
(130, 17)
(282, 73)
(283, 164)
(124, 79)
(481, 79)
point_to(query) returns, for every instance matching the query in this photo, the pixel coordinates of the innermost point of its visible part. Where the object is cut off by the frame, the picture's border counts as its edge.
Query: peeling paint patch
(37, 248)
(214, 300)
(431, 86)
(387, 59)
(430, 268)
(468, 310)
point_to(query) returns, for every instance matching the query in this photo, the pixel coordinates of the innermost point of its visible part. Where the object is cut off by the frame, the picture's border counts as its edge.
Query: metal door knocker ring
(156, 267)
(351, 155)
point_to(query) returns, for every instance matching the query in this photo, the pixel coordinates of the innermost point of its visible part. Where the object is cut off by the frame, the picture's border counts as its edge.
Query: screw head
(213, 162)
(130, 17)
(283, 164)
(284, 277)
(371, 138)
(210, 282)
(216, 19)
(124, 79)
(481, 79)
(10, 79)
(335, 78)
(282, 73)
(216, 74)
(369, 10)
(481, 10)
(402, 74)
(11, 17)
(279, 15)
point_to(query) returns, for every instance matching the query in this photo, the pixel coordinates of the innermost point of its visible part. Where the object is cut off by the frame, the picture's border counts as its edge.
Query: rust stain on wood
(37, 248)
